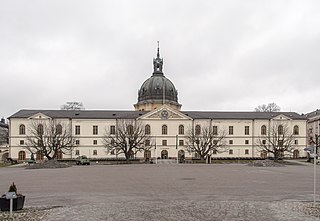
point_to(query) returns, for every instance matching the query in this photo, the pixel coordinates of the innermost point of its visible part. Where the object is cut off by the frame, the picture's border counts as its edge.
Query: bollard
(11, 196)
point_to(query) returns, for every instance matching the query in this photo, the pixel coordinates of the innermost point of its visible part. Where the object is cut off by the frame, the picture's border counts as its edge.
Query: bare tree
(50, 138)
(277, 140)
(271, 107)
(4, 136)
(128, 138)
(73, 105)
(205, 140)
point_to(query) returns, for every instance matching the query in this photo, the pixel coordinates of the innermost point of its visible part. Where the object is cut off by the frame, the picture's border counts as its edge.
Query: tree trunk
(276, 155)
(127, 155)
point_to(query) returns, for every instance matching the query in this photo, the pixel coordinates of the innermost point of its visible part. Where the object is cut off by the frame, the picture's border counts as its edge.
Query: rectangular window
(230, 141)
(246, 141)
(263, 141)
(95, 130)
(77, 152)
(230, 152)
(246, 130)
(296, 142)
(164, 142)
(21, 142)
(77, 130)
(230, 130)
(95, 152)
(181, 142)
(246, 151)
(95, 142)
(147, 142)
(112, 129)
(77, 142)
(215, 130)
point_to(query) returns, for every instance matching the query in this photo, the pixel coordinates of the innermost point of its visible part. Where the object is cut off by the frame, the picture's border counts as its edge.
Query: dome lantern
(157, 90)
(158, 63)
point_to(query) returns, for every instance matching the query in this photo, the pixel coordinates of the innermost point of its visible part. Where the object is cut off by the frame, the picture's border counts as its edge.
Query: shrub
(13, 188)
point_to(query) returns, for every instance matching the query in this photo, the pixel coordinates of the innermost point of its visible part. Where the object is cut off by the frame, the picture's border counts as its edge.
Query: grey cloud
(221, 55)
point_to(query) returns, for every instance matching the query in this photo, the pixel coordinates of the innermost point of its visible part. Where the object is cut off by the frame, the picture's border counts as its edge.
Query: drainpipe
(252, 143)
(9, 133)
(70, 119)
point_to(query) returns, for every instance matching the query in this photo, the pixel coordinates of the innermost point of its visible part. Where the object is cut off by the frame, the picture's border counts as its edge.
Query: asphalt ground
(167, 192)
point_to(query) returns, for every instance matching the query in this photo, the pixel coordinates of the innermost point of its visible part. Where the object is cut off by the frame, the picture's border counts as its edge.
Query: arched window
(147, 129)
(296, 130)
(164, 129)
(59, 129)
(130, 129)
(181, 129)
(263, 130)
(22, 155)
(295, 154)
(40, 129)
(264, 154)
(22, 129)
(198, 129)
(280, 130)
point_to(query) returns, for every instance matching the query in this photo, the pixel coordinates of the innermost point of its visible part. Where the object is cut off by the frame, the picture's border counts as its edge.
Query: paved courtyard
(166, 192)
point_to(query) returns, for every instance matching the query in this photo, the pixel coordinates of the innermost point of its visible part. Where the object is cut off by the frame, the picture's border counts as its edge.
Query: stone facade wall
(87, 147)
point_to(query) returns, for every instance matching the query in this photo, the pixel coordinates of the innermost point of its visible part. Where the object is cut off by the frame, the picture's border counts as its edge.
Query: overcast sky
(221, 55)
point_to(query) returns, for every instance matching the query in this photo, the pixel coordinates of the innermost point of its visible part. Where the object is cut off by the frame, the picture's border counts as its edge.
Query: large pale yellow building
(158, 109)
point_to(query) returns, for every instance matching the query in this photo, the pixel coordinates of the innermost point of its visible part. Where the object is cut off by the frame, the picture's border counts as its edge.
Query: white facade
(241, 144)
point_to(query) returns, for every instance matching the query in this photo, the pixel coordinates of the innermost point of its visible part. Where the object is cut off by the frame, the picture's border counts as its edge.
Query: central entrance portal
(164, 154)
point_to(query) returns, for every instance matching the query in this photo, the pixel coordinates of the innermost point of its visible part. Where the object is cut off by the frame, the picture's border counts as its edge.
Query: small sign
(11, 195)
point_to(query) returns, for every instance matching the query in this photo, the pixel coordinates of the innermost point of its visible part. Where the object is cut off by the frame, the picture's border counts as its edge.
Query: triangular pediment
(39, 116)
(281, 117)
(165, 113)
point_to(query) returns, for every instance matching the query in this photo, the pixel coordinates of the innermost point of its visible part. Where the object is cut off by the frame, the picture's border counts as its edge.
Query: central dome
(158, 87)
(157, 90)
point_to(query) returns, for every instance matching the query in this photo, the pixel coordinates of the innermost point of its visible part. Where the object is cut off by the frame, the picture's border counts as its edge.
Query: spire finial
(158, 53)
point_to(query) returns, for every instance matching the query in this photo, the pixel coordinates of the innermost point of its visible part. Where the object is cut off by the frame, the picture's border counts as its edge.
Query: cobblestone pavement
(166, 192)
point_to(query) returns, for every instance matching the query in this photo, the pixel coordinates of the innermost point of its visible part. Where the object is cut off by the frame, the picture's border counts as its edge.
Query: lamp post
(155, 149)
(177, 149)
(315, 155)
